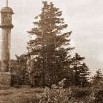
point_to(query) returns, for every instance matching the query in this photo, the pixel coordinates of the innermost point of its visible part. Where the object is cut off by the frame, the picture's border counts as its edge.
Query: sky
(84, 19)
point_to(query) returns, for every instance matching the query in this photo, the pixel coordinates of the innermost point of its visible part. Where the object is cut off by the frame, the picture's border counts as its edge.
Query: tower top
(7, 9)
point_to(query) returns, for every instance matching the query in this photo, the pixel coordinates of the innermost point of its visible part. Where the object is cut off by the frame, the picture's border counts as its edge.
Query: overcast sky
(84, 17)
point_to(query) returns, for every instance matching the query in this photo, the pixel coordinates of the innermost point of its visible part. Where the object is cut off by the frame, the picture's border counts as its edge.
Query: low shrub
(98, 97)
(81, 93)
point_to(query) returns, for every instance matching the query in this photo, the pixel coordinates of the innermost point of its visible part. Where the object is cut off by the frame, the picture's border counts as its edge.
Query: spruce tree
(80, 71)
(97, 84)
(97, 80)
(51, 45)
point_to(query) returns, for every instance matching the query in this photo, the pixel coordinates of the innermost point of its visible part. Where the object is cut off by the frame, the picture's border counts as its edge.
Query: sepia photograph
(51, 51)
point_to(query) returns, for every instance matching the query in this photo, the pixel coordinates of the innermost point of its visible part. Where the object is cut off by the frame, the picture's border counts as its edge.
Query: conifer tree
(80, 71)
(51, 45)
(97, 84)
(97, 80)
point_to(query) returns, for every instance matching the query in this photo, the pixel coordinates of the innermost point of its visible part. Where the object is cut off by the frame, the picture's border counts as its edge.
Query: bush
(81, 93)
(55, 94)
(98, 97)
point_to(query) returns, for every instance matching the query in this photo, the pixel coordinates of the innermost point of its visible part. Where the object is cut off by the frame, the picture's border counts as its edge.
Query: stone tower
(6, 25)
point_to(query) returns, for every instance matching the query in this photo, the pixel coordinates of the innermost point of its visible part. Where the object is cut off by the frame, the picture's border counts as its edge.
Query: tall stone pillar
(6, 26)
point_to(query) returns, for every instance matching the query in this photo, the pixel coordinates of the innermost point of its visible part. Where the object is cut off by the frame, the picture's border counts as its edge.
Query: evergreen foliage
(80, 72)
(97, 80)
(51, 45)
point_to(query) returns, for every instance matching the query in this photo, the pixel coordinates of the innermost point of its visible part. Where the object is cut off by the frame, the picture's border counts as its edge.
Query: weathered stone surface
(6, 26)
(5, 79)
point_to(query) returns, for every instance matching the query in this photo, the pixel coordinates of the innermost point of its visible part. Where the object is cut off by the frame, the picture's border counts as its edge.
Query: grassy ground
(25, 95)
(32, 95)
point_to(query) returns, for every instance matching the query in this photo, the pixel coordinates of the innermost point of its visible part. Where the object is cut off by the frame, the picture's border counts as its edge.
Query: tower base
(5, 80)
